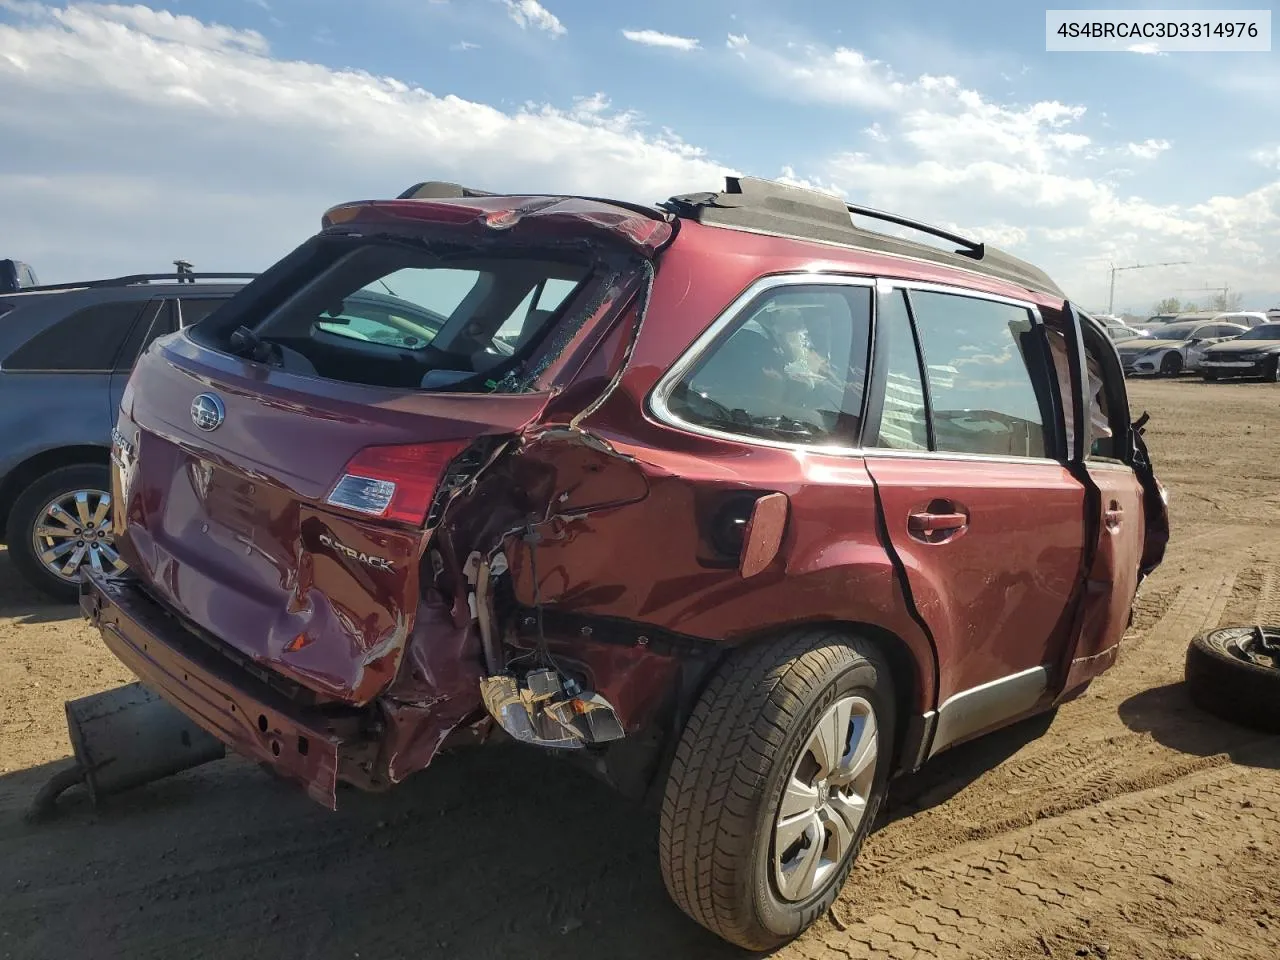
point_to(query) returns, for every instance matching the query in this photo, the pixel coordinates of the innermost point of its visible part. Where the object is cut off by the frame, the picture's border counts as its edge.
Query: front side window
(791, 368)
(979, 356)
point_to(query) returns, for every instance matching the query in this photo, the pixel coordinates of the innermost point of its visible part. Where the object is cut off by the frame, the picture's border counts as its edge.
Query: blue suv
(66, 351)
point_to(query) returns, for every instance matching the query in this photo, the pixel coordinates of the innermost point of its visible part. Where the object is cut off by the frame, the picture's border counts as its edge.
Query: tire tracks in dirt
(1130, 871)
(1088, 756)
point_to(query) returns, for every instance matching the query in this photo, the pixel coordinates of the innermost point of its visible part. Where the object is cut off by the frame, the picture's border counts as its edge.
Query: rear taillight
(394, 483)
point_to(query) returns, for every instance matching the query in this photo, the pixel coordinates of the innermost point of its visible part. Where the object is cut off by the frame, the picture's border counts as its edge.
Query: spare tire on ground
(1234, 672)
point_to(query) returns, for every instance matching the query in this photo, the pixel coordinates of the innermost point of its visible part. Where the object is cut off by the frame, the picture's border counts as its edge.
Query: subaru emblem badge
(207, 412)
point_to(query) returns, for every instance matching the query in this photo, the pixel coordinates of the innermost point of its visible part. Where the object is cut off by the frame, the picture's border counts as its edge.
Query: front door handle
(939, 521)
(1113, 515)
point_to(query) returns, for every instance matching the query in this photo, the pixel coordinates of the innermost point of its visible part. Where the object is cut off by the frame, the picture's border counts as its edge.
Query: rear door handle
(937, 521)
(925, 522)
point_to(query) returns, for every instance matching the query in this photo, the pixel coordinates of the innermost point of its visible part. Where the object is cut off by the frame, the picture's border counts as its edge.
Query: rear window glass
(393, 315)
(85, 341)
(792, 369)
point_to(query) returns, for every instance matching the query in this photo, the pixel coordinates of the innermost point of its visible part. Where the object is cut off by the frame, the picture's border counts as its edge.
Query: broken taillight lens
(394, 482)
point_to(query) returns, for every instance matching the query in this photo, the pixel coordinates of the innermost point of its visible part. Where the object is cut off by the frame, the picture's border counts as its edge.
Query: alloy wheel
(73, 530)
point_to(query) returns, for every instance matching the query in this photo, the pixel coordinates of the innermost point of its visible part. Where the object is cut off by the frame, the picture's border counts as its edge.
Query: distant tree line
(1220, 301)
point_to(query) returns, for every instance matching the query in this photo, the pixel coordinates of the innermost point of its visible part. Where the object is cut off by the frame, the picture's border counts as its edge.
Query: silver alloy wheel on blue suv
(60, 523)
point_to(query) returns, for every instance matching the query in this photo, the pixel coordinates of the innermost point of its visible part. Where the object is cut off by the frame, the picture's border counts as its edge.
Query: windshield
(1266, 331)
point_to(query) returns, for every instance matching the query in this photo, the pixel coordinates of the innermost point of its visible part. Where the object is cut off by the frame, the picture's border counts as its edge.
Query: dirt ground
(1128, 825)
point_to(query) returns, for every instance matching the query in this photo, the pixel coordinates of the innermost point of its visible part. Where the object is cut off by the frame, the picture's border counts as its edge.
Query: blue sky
(220, 130)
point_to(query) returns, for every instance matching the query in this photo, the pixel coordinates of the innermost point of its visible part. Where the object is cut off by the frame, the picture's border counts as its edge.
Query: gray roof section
(767, 206)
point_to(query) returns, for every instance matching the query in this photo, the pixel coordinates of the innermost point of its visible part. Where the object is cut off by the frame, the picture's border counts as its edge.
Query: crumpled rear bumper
(300, 743)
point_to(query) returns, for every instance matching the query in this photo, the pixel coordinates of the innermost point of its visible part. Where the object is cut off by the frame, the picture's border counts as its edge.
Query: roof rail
(766, 206)
(969, 248)
(140, 278)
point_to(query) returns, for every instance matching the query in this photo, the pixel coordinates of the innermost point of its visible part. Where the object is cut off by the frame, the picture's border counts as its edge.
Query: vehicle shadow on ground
(954, 770)
(1168, 714)
(493, 853)
(23, 603)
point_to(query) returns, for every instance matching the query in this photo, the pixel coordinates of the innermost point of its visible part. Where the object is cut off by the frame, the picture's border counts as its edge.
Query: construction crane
(1111, 297)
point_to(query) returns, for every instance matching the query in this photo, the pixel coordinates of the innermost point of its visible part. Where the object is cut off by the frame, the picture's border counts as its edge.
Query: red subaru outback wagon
(745, 504)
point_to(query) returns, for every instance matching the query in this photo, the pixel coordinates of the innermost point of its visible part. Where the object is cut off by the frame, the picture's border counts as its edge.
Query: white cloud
(463, 46)
(654, 38)
(204, 146)
(1147, 49)
(1148, 149)
(1268, 156)
(1032, 176)
(530, 14)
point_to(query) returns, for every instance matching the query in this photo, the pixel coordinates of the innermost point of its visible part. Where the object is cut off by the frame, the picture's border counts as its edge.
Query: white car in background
(1174, 347)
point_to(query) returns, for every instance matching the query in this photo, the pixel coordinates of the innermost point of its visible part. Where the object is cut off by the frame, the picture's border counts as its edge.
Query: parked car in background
(65, 354)
(671, 490)
(16, 275)
(1154, 321)
(1174, 347)
(1245, 318)
(1255, 353)
(1119, 333)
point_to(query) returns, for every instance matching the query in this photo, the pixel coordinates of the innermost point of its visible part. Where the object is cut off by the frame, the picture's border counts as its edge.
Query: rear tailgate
(230, 527)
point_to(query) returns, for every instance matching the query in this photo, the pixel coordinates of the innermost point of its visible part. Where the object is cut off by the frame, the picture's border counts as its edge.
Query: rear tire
(1228, 674)
(758, 736)
(27, 512)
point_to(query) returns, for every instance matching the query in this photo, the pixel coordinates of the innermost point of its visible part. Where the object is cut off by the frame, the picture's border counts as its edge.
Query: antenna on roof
(186, 273)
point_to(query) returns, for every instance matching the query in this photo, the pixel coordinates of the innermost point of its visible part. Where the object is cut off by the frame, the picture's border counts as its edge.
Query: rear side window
(904, 425)
(979, 356)
(85, 341)
(791, 368)
(193, 310)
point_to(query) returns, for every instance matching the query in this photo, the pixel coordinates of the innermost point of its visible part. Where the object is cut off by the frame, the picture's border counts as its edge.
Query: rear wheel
(1170, 365)
(776, 781)
(60, 523)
